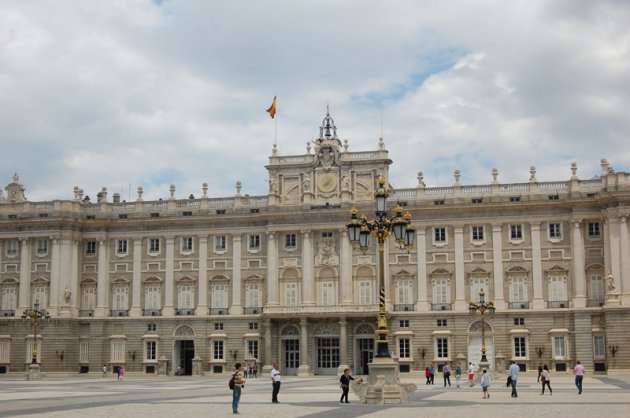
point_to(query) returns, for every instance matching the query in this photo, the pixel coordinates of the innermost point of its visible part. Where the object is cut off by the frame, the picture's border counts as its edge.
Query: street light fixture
(359, 231)
(483, 308)
(35, 315)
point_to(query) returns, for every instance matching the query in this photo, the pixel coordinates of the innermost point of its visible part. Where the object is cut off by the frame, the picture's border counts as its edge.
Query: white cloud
(149, 93)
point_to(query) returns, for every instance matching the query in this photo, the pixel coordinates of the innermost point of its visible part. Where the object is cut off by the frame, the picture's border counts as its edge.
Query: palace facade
(195, 284)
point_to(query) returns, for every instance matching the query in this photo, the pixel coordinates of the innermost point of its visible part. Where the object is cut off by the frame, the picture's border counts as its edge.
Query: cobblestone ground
(603, 396)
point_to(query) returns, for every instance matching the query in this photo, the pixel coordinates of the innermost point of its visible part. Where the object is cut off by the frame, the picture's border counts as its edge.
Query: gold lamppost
(35, 315)
(483, 308)
(359, 231)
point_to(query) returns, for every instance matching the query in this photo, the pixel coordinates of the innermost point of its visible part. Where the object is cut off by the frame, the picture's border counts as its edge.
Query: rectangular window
(441, 291)
(442, 347)
(290, 294)
(518, 290)
(477, 233)
(477, 284)
(442, 322)
(154, 245)
(555, 231)
(90, 248)
(253, 295)
(151, 350)
(252, 348)
(217, 352)
(290, 241)
(219, 296)
(118, 351)
(519, 321)
(88, 298)
(253, 325)
(5, 351)
(42, 246)
(559, 347)
(122, 246)
(404, 348)
(84, 352)
(151, 327)
(327, 234)
(220, 243)
(328, 293)
(152, 299)
(516, 232)
(185, 296)
(40, 294)
(187, 244)
(12, 248)
(599, 346)
(254, 242)
(365, 292)
(593, 230)
(439, 234)
(404, 292)
(557, 289)
(404, 323)
(596, 288)
(9, 299)
(218, 326)
(120, 298)
(520, 347)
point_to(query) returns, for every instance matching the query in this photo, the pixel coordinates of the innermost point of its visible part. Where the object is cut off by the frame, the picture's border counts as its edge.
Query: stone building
(195, 284)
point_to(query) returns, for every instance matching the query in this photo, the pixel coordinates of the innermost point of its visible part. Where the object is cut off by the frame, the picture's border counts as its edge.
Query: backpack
(231, 382)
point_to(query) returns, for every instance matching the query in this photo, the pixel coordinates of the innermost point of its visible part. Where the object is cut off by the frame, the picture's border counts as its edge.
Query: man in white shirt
(275, 381)
(513, 372)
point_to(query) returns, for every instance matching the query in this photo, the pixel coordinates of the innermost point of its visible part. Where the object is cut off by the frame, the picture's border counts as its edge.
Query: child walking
(485, 384)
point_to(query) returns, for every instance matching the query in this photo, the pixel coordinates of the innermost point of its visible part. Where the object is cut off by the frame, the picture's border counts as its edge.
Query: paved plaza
(318, 396)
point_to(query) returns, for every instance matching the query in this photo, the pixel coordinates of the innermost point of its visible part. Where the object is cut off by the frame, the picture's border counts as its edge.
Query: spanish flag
(272, 108)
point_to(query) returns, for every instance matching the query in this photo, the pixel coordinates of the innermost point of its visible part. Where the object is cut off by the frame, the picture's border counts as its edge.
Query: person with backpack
(236, 384)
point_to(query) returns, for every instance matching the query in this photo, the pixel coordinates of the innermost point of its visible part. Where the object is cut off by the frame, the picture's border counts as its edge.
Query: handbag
(509, 381)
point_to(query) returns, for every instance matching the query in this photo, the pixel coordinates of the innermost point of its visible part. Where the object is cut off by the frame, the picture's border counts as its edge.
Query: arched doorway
(364, 351)
(474, 343)
(183, 350)
(290, 349)
(327, 349)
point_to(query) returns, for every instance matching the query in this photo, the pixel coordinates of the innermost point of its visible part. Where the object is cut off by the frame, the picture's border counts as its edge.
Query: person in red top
(578, 371)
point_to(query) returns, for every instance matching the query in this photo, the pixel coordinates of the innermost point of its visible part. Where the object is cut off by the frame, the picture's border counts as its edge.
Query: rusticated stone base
(383, 385)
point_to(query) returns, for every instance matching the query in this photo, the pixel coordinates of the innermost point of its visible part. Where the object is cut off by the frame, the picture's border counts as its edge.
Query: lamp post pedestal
(33, 372)
(383, 385)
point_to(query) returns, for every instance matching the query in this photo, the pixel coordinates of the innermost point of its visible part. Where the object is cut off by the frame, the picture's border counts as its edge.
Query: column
(345, 268)
(202, 307)
(304, 369)
(308, 282)
(579, 274)
(460, 280)
(343, 345)
(421, 248)
(497, 264)
(25, 275)
(55, 285)
(613, 238)
(624, 248)
(537, 274)
(102, 280)
(75, 287)
(65, 286)
(136, 296)
(272, 270)
(169, 277)
(268, 360)
(236, 308)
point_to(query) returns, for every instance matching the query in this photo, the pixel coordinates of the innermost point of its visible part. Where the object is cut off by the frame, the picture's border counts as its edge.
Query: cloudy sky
(151, 93)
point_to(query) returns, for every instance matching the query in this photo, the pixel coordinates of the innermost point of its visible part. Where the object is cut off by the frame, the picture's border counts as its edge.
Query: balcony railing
(518, 305)
(86, 312)
(119, 312)
(187, 311)
(218, 311)
(595, 303)
(151, 312)
(558, 304)
(253, 310)
(403, 307)
(321, 309)
(7, 312)
(441, 306)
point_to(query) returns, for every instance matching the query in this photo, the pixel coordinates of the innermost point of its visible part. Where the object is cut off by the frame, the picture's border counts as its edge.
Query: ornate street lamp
(359, 231)
(483, 308)
(35, 315)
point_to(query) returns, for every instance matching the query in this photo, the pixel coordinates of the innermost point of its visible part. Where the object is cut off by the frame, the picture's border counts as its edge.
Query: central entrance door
(291, 349)
(365, 351)
(185, 350)
(327, 356)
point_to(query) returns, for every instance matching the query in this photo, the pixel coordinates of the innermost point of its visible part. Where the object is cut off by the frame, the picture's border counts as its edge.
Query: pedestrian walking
(238, 386)
(121, 373)
(427, 374)
(275, 382)
(578, 371)
(104, 370)
(432, 374)
(545, 378)
(540, 370)
(344, 384)
(471, 374)
(485, 384)
(513, 373)
(458, 375)
(446, 372)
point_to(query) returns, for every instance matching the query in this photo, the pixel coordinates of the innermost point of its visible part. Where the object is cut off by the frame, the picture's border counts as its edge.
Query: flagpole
(275, 133)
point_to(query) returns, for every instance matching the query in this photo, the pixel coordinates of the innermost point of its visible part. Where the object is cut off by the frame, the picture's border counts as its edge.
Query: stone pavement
(316, 396)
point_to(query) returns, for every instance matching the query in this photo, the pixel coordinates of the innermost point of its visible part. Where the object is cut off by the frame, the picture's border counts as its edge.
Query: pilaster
(579, 274)
(136, 303)
(497, 264)
(236, 308)
(308, 282)
(202, 307)
(272, 270)
(422, 303)
(169, 277)
(537, 282)
(460, 284)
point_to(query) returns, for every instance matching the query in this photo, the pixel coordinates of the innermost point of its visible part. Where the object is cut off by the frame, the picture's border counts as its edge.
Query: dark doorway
(366, 354)
(186, 354)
